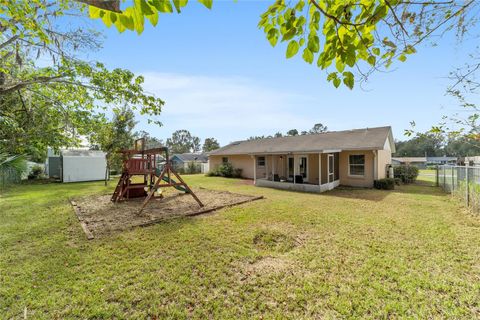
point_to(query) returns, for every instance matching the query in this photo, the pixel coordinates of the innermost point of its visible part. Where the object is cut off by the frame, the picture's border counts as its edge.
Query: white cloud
(228, 108)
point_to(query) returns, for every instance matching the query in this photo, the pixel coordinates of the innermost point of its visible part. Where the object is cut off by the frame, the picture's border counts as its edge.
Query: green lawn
(412, 252)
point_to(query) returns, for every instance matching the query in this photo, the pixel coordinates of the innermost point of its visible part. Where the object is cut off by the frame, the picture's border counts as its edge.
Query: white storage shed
(83, 165)
(75, 165)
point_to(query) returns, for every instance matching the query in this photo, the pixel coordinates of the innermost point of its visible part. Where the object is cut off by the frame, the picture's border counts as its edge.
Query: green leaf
(339, 65)
(307, 55)
(179, 4)
(348, 79)
(331, 76)
(289, 34)
(272, 36)
(372, 60)
(126, 20)
(94, 12)
(153, 18)
(402, 58)
(292, 48)
(376, 51)
(314, 43)
(145, 8)
(206, 3)
(164, 6)
(336, 82)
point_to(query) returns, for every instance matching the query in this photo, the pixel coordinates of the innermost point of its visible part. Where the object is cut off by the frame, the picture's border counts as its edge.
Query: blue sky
(220, 78)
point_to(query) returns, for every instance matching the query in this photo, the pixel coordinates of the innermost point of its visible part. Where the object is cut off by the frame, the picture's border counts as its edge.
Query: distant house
(471, 161)
(420, 162)
(312, 163)
(183, 160)
(423, 162)
(74, 165)
(442, 160)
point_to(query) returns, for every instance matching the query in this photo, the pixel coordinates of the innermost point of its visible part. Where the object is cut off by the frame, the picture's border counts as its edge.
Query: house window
(225, 160)
(356, 165)
(261, 162)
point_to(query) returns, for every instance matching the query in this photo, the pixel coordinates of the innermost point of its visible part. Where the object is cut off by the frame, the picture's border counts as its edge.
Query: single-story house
(420, 162)
(74, 165)
(183, 160)
(314, 162)
(470, 161)
(442, 160)
(423, 162)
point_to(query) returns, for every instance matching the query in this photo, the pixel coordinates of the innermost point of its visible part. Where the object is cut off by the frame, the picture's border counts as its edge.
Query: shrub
(406, 173)
(225, 170)
(398, 181)
(192, 168)
(384, 184)
(35, 172)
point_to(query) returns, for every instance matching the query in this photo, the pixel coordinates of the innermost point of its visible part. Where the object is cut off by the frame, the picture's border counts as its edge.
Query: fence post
(453, 181)
(444, 178)
(467, 195)
(436, 176)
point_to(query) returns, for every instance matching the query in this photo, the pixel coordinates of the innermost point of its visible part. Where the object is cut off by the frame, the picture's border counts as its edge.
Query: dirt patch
(274, 241)
(100, 216)
(264, 267)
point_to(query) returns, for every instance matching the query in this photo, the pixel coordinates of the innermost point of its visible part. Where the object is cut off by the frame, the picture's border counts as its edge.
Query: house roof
(444, 158)
(409, 159)
(186, 157)
(357, 139)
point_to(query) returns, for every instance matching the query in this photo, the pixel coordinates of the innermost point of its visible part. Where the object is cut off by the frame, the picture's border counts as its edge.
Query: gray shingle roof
(357, 139)
(187, 157)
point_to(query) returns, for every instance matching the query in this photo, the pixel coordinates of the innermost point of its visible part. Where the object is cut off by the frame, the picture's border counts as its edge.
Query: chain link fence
(462, 182)
(8, 177)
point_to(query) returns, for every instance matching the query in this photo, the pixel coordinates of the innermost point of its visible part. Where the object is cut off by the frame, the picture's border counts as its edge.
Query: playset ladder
(119, 188)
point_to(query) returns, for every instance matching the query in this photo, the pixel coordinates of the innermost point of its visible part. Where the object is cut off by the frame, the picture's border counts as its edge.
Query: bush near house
(35, 173)
(406, 173)
(226, 170)
(384, 184)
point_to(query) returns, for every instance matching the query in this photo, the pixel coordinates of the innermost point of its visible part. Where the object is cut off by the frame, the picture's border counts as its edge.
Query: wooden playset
(157, 171)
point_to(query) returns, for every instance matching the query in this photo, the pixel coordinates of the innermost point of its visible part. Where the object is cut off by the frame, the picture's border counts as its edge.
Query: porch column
(319, 169)
(254, 170)
(294, 169)
(375, 165)
(266, 167)
(273, 167)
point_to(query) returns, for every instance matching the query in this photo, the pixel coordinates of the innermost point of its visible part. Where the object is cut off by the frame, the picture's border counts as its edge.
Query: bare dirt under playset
(99, 216)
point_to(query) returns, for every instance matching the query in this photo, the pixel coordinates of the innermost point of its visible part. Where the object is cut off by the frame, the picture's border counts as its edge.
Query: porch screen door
(331, 168)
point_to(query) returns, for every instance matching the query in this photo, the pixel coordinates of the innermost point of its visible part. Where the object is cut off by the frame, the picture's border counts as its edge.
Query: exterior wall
(83, 168)
(366, 180)
(384, 158)
(244, 162)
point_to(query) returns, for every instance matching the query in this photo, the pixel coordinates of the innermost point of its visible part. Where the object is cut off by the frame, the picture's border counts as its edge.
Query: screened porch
(309, 172)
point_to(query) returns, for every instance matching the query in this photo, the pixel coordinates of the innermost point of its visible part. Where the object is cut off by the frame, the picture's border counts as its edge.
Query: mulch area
(99, 216)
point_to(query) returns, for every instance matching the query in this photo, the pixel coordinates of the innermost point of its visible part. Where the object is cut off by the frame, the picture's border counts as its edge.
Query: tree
(150, 142)
(318, 128)
(64, 99)
(196, 144)
(278, 135)
(182, 141)
(357, 37)
(422, 144)
(210, 144)
(292, 132)
(115, 136)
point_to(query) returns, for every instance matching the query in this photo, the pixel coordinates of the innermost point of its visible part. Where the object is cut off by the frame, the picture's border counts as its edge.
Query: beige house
(312, 163)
